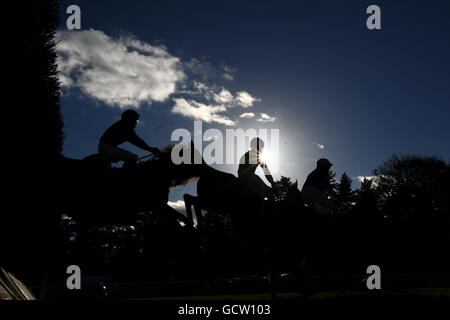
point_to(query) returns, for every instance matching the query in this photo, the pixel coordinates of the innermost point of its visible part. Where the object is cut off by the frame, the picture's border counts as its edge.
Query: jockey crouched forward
(248, 164)
(118, 133)
(317, 188)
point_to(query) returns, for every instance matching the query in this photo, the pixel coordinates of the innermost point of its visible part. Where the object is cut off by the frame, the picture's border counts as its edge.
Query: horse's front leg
(198, 211)
(188, 202)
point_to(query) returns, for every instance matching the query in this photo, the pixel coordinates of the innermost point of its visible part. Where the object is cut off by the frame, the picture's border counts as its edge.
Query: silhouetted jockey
(118, 133)
(248, 164)
(317, 187)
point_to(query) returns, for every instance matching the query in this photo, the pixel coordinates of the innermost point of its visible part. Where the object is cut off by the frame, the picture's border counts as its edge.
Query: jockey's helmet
(257, 144)
(324, 163)
(130, 115)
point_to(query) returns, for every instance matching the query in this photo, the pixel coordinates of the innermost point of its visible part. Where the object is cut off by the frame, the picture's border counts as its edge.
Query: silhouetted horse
(259, 220)
(299, 239)
(93, 191)
(221, 192)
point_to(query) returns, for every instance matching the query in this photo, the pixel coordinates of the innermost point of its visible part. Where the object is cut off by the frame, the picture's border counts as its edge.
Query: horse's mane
(168, 149)
(166, 153)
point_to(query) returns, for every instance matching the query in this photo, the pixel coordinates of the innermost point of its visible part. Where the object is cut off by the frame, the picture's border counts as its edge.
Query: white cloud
(373, 179)
(200, 86)
(218, 102)
(196, 88)
(224, 97)
(247, 115)
(210, 138)
(264, 117)
(178, 205)
(228, 76)
(201, 68)
(200, 111)
(244, 99)
(120, 72)
(126, 72)
(207, 71)
(221, 95)
(228, 73)
(361, 178)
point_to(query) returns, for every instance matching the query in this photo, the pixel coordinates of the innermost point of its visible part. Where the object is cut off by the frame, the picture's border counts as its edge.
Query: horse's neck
(206, 169)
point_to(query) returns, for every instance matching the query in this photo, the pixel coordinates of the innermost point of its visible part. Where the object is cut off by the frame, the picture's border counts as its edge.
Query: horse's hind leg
(190, 201)
(198, 211)
(188, 204)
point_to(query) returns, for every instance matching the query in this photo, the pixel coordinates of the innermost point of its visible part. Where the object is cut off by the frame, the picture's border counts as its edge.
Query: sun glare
(265, 156)
(271, 159)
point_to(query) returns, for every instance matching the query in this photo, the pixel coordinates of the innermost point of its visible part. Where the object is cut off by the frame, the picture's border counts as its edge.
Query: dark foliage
(413, 197)
(399, 220)
(413, 187)
(345, 243)
(281, 187)
(345, 196)
(32, 131)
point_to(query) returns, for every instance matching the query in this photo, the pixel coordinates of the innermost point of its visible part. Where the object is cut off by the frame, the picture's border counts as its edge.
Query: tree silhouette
(366, 187)
(333, 183)
(412, 187)
(366, 196)
(281, 187)
(345, 196)
(33, 132)
(413, 197)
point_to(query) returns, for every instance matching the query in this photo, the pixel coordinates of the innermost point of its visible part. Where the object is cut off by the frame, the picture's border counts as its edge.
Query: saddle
(99, 163)
(98, 159)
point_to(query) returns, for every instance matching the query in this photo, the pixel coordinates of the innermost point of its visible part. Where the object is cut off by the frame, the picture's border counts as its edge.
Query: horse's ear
(296, 184)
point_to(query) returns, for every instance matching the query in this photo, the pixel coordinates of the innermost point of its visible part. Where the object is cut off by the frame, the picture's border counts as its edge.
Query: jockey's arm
(267, 173)
(138, 142)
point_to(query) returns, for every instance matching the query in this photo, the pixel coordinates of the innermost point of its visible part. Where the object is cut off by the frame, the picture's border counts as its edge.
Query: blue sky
(308, 68)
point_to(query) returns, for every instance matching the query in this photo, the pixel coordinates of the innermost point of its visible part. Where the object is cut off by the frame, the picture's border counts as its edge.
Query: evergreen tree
(367, 201)
(345, 196)
(281, 187)
(333, 183)
(366, 194)
(33, 133)
(366, 186)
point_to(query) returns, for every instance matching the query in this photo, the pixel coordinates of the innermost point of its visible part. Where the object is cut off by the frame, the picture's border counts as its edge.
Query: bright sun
(265, 156)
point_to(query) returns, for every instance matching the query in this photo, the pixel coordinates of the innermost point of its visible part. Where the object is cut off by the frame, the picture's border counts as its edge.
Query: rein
(147, 156)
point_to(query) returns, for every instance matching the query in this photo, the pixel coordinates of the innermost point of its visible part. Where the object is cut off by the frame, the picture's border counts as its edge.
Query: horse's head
(167, 166)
